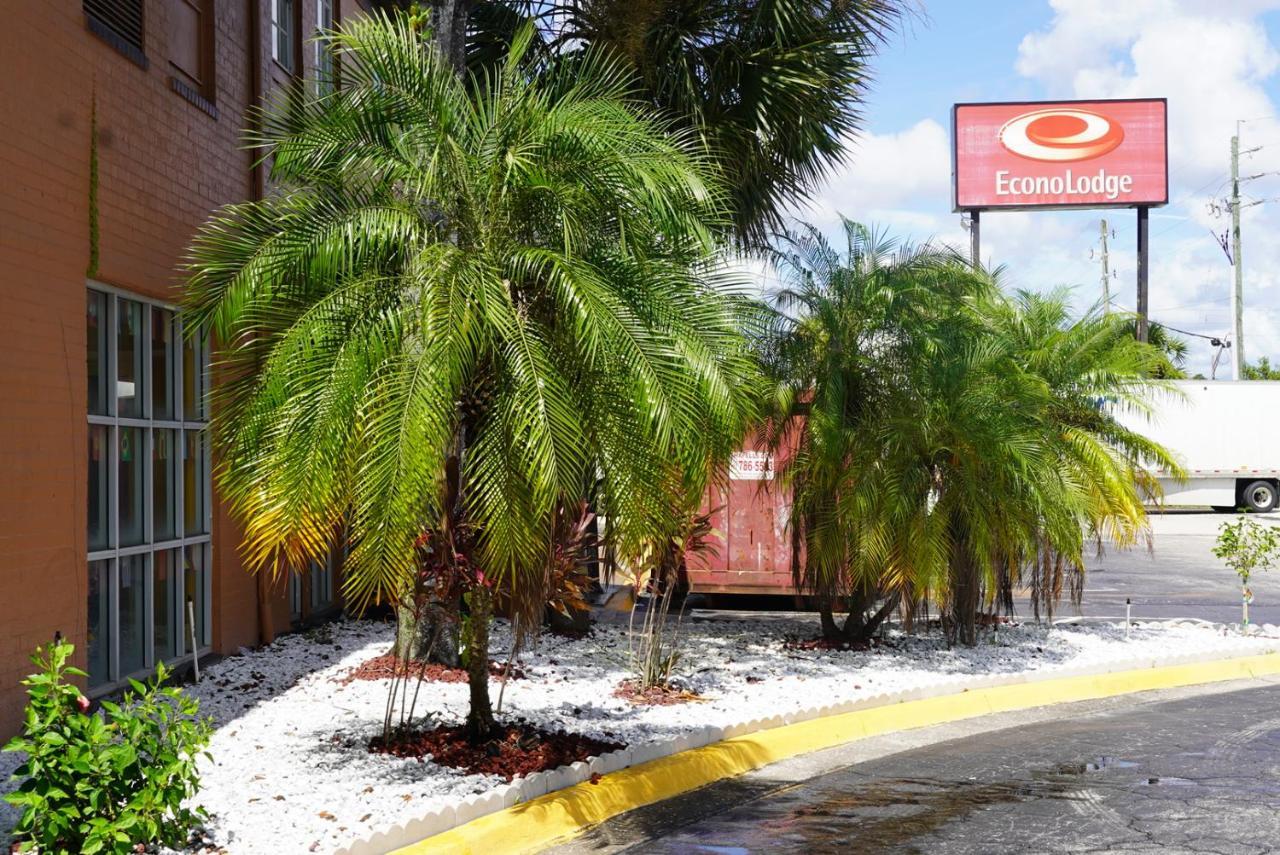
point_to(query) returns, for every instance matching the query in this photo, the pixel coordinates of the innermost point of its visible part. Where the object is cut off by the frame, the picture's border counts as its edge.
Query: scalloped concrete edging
(659, 770)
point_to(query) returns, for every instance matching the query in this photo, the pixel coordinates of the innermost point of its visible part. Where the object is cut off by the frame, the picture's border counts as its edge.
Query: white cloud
(1214, 61)
(887, 171)
(1083, 34)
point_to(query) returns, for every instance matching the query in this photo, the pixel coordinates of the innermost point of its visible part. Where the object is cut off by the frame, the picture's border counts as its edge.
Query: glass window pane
(129, 477)
(96, 346)
(129, 359)
(133, 611)
(164, 484)
(194, 482)
(99, 622)
(194, 586)
(321, 584)
(164, 592)
(163, 363)
(99, 486)
(194, 362)
(324, 54)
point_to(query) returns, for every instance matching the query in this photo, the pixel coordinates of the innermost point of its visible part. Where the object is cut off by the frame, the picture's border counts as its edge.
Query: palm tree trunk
(449, 25)
(861, 630)
(480, 723)
(424, 635)
(266, 619)
(964, 587)
(830, 629)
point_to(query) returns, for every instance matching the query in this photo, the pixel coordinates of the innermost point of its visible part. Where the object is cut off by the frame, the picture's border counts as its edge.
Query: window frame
(284, 31)
(111, 35)
(149, 546)
(325, 69)
(201, 92)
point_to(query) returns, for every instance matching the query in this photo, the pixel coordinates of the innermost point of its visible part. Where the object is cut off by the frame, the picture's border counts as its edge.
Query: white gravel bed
(292, 774)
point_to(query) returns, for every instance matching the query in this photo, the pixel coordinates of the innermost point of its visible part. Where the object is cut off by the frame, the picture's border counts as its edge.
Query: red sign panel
(1060, 154)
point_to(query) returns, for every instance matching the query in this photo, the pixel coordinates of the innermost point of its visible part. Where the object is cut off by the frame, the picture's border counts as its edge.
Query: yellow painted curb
(564, 814)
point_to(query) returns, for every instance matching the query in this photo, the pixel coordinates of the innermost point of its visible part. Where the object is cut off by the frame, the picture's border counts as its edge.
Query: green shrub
(1246, 546)
(105, 781)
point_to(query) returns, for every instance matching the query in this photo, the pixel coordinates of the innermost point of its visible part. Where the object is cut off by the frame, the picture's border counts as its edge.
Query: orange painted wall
(164, 165)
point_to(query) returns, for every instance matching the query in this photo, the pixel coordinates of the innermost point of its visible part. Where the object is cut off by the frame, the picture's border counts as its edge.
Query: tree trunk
(964, 589)
(266, 620)
(415, 635)
(449, 20)
(830, 629)
(858, 628)
(480, 723)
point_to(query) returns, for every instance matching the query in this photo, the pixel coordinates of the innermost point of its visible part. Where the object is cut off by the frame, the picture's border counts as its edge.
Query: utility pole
(1237, 291)
(1106, 271)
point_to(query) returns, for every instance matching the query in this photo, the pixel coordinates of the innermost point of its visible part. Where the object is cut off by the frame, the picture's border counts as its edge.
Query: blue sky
(1215, 60)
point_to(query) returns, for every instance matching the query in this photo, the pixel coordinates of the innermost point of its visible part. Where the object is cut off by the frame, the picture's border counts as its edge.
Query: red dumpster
(753, 545)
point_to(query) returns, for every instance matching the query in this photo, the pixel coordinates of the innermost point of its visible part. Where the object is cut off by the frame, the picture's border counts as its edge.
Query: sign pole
(1144, 246)
(975, 239)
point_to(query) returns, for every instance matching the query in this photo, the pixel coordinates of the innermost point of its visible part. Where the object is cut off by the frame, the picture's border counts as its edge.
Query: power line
(1216, 183)
(1215, 340)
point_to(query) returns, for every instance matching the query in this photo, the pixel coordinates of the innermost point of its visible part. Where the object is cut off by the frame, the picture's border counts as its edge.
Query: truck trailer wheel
(1260, 496)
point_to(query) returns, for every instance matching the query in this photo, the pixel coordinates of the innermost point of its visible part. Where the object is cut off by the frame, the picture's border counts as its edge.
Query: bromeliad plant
(109, 781)
(655, 646)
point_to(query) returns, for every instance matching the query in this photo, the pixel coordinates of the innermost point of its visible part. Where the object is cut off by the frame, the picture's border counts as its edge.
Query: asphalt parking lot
(1178, 577)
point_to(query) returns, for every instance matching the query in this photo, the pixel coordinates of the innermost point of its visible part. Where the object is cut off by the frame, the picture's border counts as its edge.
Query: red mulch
(656, 696)
(516, 749)
(387, 665)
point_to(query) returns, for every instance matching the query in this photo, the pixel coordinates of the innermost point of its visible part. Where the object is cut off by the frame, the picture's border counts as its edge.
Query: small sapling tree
(1245, 546)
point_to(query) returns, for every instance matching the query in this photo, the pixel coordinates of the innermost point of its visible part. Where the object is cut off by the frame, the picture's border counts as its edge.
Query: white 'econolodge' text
(1067, 184)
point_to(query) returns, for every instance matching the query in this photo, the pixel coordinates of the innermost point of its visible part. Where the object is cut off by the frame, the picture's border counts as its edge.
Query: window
(150, 559)
(295, 597)
(322, 584)
(324, 56)
(318, 589)
(191, 51)
(282, 33)
(119, 24)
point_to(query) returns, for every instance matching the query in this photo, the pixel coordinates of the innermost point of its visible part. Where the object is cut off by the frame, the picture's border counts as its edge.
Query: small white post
(1128, 614)
(195, 651)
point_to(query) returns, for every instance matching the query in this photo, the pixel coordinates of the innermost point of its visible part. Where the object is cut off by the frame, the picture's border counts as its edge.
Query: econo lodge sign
(1060, 154)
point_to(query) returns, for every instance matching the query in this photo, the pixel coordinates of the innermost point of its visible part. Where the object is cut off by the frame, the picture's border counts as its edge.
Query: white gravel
(291, 772)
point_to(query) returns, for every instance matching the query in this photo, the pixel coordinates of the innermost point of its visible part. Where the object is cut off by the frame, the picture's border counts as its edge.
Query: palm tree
(774, 87)
(465, 302)
(850, 325)
(952, 437)
(1093, 368)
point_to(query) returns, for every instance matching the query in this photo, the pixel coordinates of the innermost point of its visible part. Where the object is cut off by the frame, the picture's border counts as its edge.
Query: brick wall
(163, 165)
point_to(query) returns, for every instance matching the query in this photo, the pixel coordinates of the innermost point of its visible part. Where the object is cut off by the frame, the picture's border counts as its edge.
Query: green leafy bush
(105, 781)
(1246, 546)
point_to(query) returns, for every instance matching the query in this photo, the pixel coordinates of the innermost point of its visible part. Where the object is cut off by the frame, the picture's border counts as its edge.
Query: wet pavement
(1196, 773)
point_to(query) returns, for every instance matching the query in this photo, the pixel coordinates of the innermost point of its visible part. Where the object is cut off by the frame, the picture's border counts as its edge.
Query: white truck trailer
(1221, 432)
